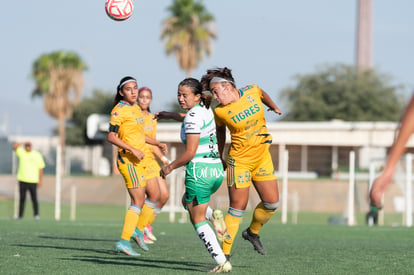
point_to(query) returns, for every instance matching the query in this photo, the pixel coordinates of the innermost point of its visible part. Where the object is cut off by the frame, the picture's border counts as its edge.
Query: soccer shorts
(152, 169)
(133, 174)
(242, 173)
(202, 180)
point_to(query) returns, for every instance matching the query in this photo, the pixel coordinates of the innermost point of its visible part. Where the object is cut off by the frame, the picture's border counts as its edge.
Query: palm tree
(59, 80)
(188, 33)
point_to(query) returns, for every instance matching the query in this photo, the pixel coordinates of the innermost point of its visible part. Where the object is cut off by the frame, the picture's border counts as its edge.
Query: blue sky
(266, 42)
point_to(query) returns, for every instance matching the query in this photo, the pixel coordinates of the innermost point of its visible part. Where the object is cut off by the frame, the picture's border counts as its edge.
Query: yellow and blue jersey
(245, 119)
(130, 120)
(150, 129)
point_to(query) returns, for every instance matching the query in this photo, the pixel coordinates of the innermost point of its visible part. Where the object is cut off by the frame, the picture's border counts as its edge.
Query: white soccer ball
(119, 10)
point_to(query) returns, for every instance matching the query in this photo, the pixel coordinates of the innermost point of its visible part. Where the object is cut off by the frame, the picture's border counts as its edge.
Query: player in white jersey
(204, 169)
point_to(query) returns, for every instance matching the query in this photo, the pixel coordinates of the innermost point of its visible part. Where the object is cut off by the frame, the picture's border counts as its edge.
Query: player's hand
(138, 154)
(161, 115)
(378, 188)
(276, 110)
(163, 147)
(165, 171)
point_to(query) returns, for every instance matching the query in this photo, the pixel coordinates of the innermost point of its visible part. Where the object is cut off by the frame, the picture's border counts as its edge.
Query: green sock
(374, 208)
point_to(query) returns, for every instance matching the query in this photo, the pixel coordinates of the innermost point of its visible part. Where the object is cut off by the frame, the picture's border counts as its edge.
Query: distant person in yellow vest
(29, 175)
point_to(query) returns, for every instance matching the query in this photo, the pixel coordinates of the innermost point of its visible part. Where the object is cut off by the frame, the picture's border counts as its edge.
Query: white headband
(219, 79)
(126, 81)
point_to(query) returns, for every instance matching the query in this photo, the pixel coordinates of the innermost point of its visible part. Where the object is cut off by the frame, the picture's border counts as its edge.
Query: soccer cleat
(138, 237)
(222, 268)
(147, 240)
(220, 226)
(125, 247)
(148, 233)
(254, 239)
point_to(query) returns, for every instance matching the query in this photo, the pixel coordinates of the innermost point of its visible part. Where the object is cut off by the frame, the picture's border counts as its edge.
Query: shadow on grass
(101, 251)
(76, 239)
(144, 262)
(116, 258)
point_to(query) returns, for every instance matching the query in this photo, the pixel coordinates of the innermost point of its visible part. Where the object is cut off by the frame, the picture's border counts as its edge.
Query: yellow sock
(130, 222)
(152, 218)
(232, 221)
(261, 216)
(154, 215)
(146, 214)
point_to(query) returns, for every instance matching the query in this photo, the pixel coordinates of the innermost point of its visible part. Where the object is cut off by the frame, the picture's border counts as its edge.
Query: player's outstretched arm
(269, 103)
(169, 115)
(397, 150)
(405, 131)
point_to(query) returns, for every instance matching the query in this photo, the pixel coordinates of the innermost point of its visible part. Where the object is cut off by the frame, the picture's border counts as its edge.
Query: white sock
(209, 213)
(208, 237)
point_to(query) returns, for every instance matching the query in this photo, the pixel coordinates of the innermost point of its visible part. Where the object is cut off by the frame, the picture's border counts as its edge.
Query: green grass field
(85, 246)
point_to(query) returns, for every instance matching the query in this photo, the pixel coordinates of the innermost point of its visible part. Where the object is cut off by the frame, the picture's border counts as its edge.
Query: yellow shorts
(133, 174)
(152, 169)
(242, 174)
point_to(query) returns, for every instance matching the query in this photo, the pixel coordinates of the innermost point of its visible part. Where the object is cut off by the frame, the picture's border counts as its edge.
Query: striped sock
(208, 237)
(261, 215)
(130, 221)
(146, 214)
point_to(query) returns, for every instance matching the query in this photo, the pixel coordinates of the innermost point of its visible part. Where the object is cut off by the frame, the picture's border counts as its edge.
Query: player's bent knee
(163, 200)
(271, 205)
(135, 208)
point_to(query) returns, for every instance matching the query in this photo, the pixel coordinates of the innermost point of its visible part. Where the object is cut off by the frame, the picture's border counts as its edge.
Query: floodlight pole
(364, 35)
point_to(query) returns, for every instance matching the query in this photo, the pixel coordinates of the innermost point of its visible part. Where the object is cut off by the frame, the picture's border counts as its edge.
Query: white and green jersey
(200, 120)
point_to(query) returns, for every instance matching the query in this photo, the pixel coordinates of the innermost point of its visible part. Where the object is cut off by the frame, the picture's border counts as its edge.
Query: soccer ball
(119, 10)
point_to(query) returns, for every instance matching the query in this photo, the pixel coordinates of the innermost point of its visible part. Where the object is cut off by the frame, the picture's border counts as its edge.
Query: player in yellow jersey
(248, 160)
(126, 130)
(153, 178)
